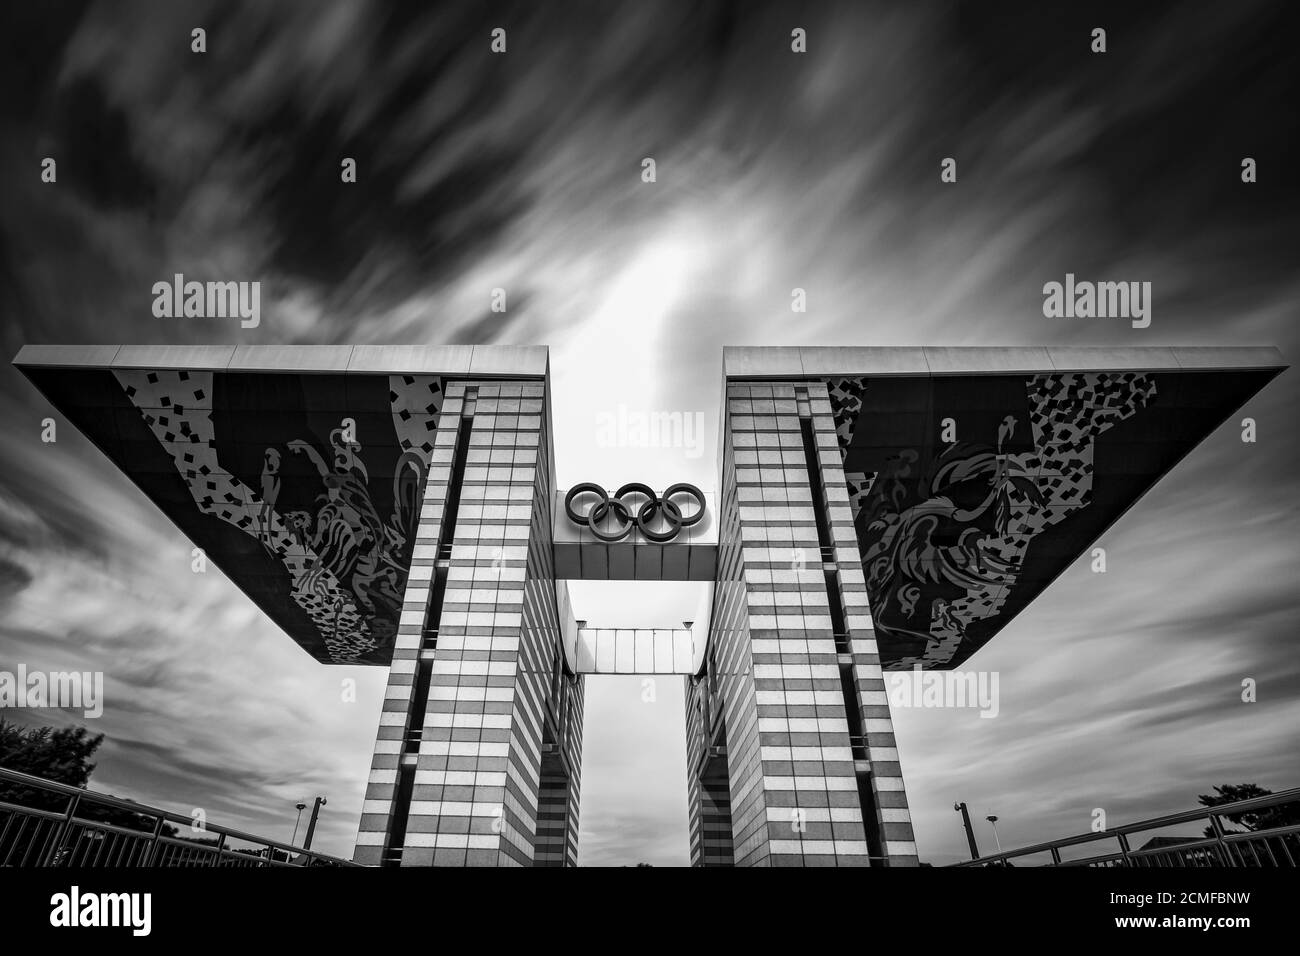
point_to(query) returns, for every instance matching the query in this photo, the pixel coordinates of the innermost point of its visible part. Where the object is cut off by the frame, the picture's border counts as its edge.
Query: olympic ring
(644, 515)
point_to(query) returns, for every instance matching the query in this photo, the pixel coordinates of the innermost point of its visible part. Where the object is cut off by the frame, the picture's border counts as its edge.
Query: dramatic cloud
(774, 171)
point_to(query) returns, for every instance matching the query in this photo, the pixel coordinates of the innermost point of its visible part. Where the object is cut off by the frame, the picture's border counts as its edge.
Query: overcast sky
(774, 170)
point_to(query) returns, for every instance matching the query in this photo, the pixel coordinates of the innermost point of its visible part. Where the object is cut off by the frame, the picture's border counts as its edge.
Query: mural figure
(270, 494)
(347, 534)
(940, 540)
(944, 540)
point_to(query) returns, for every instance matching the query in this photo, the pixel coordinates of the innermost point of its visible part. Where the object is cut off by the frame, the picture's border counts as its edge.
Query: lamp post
(993, 822)
(311, 824)
(301, 807)
(970, 831)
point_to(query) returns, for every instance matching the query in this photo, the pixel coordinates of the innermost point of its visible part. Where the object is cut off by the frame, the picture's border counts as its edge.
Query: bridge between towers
(633, 533)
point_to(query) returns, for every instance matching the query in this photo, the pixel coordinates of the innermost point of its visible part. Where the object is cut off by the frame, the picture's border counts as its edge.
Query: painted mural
(329, 494)
(943, 531)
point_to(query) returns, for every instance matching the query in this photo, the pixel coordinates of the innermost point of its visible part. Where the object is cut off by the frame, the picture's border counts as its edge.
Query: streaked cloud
(774, 171)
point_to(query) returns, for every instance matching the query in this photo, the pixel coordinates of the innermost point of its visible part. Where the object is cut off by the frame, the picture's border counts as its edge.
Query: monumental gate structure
(875, 509)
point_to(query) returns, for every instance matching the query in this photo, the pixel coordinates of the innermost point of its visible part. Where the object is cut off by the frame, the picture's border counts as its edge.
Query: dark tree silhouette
(61, 755)
(1283, 815)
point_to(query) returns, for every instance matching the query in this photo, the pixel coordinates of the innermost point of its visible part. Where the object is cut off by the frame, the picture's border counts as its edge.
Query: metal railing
(43, 823)
(1274, 847)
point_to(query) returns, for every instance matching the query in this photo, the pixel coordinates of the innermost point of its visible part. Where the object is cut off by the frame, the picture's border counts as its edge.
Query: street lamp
(311, 824)
(970, 832)
(301, 808)
(993, 822)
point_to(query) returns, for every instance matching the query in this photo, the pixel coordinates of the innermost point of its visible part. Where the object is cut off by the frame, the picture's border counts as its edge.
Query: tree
(62, 756)
(1282, 815)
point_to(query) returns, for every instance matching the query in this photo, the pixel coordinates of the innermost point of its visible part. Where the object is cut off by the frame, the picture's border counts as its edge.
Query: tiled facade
(479, 751)
(893, 840)
(810, 754)
(724, 795)
(479, 748)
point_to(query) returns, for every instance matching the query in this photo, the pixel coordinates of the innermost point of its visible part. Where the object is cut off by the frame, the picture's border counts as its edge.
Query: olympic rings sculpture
(642, 517)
